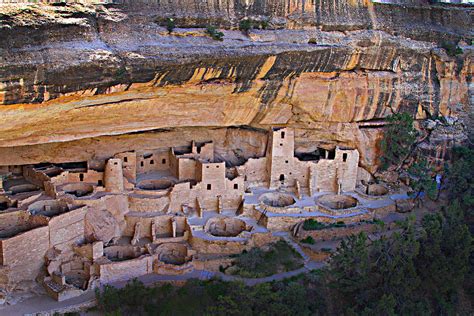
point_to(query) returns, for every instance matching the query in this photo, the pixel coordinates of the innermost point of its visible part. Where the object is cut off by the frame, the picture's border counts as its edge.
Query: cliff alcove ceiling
(86, 73)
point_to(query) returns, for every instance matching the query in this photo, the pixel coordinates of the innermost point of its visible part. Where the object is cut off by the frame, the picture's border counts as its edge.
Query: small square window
(152, 162)
(125, 159)
(286, 161)
(141, 164)
(100, 183)
(281, 144)
(236, 186)
(209, 187)
(163, 161)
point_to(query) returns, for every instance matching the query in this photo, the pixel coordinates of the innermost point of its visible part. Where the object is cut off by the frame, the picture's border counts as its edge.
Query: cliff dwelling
(235, 141)
(162, 210)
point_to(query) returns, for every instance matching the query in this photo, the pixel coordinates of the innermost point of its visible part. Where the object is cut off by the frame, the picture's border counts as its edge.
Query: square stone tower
(280, 157)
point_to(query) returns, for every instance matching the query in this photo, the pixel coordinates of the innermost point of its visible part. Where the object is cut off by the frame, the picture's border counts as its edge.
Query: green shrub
(451, 49)
(399, 137)
(170, 25)
(264, 24)
(245, 25)
(120, 73)
(311, 224)
(214, 33)
(313, 41)
(308, 240)
(257, 263)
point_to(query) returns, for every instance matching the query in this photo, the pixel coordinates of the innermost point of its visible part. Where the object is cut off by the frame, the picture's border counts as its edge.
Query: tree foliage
(422, 179)
(214, 33)
(398, 139)
(460, 175)
(297, 296)
(409, 273)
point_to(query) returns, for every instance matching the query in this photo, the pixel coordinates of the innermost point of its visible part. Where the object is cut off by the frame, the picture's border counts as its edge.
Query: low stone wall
(229, 246)
(125, 270)
(217, 246)
(337, 232)
(285, 223)
(160, 267)
(148, 204)
(212, 264)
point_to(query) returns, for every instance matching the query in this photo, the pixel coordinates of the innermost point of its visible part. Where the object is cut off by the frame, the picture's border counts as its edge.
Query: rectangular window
(141, 163)
(208, 186)
(344, 157)
(282, 135)
(163, 161)
(125, 159)
(81, 177)
(152, 162)
(236, 186)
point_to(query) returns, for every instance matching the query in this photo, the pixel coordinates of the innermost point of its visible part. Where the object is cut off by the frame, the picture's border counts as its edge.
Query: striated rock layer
(79, 81)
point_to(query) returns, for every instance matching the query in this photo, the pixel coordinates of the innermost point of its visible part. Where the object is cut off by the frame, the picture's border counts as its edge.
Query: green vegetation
(451, 49)
(257, 263)
(399, 137)
(245, 26)
(296, 296)
(460, 178)
(121, 73)
(214, 33)
(313, 41)
(170, 25)
(404, 274)
(422, 178)
(308, 240)
(311, 224)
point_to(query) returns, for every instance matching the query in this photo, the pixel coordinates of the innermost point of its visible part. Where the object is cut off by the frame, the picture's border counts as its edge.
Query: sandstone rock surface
(87, 75)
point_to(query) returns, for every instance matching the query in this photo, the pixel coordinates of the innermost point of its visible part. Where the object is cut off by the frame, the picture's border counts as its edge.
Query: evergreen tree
(444, 257)
(398, 139)
(422, 178)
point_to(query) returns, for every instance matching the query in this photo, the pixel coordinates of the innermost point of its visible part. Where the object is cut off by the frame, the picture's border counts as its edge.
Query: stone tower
(280, 157)
(113, 176)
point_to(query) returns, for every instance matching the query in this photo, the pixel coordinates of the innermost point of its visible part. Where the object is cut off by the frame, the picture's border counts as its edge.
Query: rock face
(94, 76)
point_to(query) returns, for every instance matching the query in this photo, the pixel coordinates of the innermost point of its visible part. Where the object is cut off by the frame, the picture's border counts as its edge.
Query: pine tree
(398, 139)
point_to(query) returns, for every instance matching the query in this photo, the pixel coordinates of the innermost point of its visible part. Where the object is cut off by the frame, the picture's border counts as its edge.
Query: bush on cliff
(245, 26)
(214, 33)
(170, 25)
